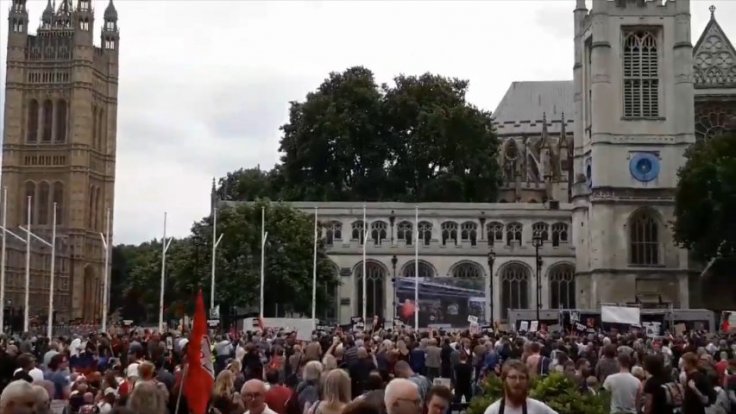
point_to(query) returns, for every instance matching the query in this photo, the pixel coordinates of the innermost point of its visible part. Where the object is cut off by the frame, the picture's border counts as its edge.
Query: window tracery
(467, 270)
(514, 288)
(559, 234)
(404, 232)
(333, 231)
(425, 269)
(713, 119)
(494, 230)
(469, 232)
(562, 287)
(425, 232)
(641, 74)
(358, 231)
(513, 234)
(378, 231)
(643, 239)
(449, 232)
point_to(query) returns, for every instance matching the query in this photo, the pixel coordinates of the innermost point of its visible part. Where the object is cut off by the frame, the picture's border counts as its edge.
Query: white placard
(524, 326)
(534, 326)
(621, 314)
(443, 381)
(473, 320)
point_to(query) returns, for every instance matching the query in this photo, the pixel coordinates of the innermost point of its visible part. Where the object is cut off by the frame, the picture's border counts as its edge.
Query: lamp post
(394, 260)
(537, 241)
(491, 261)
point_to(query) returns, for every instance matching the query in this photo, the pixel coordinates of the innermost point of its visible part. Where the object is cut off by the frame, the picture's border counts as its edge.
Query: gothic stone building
(588, 164)
(59, 149)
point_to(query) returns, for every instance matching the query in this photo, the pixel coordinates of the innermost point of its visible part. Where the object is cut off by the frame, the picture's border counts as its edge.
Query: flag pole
(106, 294)
(215, 242)
(50, 323)
(164, 248)
(264, 237)
(28, 269)
(314, 270)
(416, 269)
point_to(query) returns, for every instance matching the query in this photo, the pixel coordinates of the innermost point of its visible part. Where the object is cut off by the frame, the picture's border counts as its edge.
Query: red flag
(200, 376)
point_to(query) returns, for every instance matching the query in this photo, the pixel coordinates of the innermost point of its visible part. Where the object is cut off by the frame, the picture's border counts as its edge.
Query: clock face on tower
(644, 166)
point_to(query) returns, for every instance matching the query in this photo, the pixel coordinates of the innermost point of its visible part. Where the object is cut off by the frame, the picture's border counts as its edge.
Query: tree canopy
(705, 202)
(288, 266)
(418, 140)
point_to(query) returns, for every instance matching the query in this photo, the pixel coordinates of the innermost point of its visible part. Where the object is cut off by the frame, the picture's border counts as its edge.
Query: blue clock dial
(644, 166)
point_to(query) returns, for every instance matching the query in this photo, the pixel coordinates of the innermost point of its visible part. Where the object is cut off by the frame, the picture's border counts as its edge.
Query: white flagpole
(314, 271)
(2, 270)
(215, 242)
(264, 237)
(50, 323)
(164, 248)
(26, 315)
(365, 278)
(106, 284)
(416, 268)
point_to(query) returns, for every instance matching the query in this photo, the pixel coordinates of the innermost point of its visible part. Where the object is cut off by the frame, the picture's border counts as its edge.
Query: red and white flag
(200, 375)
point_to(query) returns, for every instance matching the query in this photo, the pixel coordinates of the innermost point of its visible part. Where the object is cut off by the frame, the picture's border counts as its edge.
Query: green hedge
(556, 390)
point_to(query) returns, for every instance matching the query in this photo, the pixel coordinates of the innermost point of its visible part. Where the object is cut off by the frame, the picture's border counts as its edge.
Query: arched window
(374, 288)
(562, 287)
(425, 269)
(494, 230)
(541, 230)
(559, 233)
(30, 192)
(60, 120)
(333, 230)
(469, 232)
(48, 120)
(425, 232)
(513, 234)
(404, 232)
(378, 231)
(94, 127)
(641, 75)
(357, 231)
(43, 202)
(514, 288)
(59, 200)
(644, 239)
(32, 121)
(467, 269)
(449, 232)
(101, 129)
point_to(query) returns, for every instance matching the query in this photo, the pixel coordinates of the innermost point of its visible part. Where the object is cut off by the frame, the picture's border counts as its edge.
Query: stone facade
(59, 150)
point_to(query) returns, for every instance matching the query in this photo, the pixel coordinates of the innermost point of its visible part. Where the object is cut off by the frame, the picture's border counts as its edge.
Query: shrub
(555, 390)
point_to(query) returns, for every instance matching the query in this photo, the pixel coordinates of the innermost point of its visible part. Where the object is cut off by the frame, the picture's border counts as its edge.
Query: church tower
(633, 77)
(59, 149)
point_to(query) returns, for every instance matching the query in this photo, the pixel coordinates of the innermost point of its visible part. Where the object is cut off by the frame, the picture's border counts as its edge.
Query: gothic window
(641, 75)
(60, 120)
(494, 230)
(30, 192)
(425, 269)
(713, 119)
(404, 232)
(48, 120)
(559, 233)
(562, 287)
(84, 25)
(469, 232)
(514, 288)
(59, 200)
(425, 232)
(374, 288)
(43, 203)
(94, 126)
(644, 238)
(357, 231)
(513, 234)
(333, 231)
(91, 214)
(467, 269)
(98, 210)
(511, 160)
(100, 129)
(378, 232)
(449, 232)
(541, 230)
(32, 121)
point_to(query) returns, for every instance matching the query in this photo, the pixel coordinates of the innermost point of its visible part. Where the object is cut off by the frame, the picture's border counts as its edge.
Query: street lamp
(394, 260)
(537, 241)
(491, 261)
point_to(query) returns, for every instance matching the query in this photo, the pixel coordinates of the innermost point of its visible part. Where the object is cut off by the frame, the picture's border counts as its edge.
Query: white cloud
(205, 85)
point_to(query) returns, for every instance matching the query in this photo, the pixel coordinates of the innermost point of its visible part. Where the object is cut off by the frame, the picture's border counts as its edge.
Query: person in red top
(277, 395)
(721, 368)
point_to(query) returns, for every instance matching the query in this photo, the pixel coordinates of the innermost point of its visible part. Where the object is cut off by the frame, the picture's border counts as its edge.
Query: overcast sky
(205, 85)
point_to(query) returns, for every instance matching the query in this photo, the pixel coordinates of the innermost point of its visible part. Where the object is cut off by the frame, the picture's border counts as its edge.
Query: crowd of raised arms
(396, 372)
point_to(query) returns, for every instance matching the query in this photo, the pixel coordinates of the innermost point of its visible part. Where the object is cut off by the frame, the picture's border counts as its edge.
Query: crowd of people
(269, 371)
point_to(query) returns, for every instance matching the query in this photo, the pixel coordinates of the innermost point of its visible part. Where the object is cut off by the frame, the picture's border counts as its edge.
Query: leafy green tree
(251, 184)
(705, 202)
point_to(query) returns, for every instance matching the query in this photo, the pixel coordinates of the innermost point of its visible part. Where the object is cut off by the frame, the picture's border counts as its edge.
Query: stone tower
(59, 148)
(633, 77)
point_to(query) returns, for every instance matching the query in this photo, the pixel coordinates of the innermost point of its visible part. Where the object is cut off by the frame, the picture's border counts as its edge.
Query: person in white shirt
(515, 400)
(624, 387)
(254, 397)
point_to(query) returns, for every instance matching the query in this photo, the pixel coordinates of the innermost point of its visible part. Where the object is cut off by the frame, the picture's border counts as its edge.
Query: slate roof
(524, 104)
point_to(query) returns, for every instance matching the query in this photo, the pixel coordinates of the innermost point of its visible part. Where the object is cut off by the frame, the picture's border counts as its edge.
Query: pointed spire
(712, 9)
(48, 14)
(111, 14)
(544, 141)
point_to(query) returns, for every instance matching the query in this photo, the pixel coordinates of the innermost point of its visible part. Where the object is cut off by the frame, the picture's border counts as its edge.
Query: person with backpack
(699, 392)
(660, 394)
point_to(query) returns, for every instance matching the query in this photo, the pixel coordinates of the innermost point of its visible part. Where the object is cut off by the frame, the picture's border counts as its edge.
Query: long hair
(147, 398)
(336, 388)
(224, 384)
